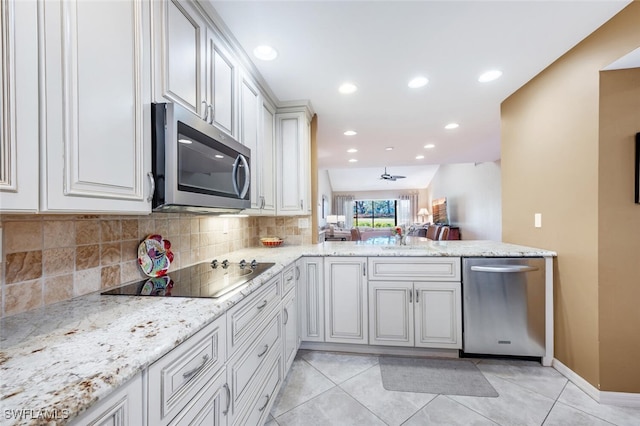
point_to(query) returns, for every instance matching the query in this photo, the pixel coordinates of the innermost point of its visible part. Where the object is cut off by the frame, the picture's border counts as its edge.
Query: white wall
(474, 198)
(324, 189)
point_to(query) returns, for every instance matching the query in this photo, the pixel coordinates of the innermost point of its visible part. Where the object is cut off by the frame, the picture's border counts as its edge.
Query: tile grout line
(471, 409)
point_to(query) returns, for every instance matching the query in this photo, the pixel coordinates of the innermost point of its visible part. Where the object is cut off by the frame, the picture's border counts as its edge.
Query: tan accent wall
(550, 165)
(619, 232)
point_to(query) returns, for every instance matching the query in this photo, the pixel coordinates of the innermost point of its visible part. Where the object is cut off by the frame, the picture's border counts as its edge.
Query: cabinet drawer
(177, 377)
(242, 318)
(288, 279)
(208, 406)
(414, 268)
(258, 411)
(247, 365)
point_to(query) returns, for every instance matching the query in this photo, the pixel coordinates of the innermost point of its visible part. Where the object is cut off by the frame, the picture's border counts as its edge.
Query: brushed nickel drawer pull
(286, 316)
(193, 371)
(417, 296)
(265, 404)
(264, 351)
(262, 305)
(226, 386)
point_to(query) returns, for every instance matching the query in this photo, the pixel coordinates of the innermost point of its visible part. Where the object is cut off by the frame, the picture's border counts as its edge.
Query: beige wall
(619, 232)
(550, 165)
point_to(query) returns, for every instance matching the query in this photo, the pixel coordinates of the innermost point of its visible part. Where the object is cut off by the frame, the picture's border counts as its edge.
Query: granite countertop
(68, 355)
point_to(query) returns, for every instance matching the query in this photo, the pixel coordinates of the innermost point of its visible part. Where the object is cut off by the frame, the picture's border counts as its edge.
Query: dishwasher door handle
(504, 268)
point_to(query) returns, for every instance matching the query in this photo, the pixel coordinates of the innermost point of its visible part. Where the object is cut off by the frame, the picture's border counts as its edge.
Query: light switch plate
(303, 223)
(537, 220)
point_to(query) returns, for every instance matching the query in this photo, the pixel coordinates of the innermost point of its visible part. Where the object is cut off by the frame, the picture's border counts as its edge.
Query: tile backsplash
(47, 259)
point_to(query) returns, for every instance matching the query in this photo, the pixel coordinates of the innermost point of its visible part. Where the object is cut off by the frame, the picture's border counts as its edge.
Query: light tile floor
(326, 388)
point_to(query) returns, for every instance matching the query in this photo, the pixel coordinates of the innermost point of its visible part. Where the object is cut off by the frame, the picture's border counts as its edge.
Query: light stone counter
(64, 357)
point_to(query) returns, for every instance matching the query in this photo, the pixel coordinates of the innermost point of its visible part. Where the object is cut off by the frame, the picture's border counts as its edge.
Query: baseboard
(603, 397)
(379, 350)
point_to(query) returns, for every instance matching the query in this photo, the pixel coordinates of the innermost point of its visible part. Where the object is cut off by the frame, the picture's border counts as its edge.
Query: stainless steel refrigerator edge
(504, 306)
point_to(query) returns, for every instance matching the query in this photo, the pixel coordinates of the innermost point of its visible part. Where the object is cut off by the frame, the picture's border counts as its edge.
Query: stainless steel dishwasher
(504, 306)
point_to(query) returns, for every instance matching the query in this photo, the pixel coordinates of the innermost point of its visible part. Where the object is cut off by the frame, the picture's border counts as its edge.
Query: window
(375, 213)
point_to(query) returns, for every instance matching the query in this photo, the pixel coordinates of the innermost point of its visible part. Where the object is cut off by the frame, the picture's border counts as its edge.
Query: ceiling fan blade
(398, 177)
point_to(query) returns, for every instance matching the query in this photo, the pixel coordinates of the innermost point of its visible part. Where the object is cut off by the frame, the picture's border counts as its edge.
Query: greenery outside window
(375, 213)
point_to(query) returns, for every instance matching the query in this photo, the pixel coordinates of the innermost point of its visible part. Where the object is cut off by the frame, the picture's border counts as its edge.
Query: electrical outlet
(537, 220)
(303, 223)
(225, 226)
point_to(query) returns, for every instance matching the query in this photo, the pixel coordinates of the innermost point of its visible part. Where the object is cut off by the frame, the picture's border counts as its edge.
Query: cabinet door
(220, 85)
(290, 328)
(292, 135)
(346, 319)
(311, 299)
(179, 69)
(124, 407)
(391, 313)
(438, 315)
(267, 160)
(249, 110)
(19, 165)
(96, 124)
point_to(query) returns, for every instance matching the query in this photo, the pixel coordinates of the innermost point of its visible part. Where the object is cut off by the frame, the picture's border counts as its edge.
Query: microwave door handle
(234, 176)
(247, 173)
(247, 176)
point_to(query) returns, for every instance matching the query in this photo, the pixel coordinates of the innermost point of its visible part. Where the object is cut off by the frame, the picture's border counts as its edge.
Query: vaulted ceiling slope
(380, 45)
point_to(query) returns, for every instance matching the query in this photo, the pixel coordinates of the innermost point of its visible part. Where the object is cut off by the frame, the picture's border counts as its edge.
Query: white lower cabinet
(421, 314)
(182, 379)
(289, 327)
(124, 407)
(209, 407)
(345, 295)
(311, 299)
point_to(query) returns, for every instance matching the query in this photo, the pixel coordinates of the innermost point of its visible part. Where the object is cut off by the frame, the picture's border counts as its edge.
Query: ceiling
(380, 45)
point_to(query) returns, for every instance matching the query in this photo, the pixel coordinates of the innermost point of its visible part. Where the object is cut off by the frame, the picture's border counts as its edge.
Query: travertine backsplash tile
(59, 233)
(57, 261)
(58, 288)
(87, 256)
(23, 266)
(87, 231)
(50, 258)
(22, 297)
(22, 236)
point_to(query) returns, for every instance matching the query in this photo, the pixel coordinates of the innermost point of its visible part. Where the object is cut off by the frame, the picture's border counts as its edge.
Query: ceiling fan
(387, 176)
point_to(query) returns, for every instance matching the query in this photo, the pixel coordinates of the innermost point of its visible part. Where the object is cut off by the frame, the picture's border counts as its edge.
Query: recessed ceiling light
(489, 76)
(184, 141)
(219, 156)
(418, 82)
(353, 160)
(452, 126)
(419, 157)
(266, 53)
(389, 148)
(429, 146)
(350, 133)
(347, 88)
(352, 150)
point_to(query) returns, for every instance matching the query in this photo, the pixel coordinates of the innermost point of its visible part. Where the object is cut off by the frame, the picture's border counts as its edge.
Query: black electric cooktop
(208, 280)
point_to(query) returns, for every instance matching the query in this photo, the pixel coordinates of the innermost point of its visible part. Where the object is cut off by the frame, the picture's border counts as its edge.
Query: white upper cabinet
(95, 74)
(249, 128)
(220, 96)
(192, 66)
(294, 162)
(179, 62)
(267, 159)
(19, 165)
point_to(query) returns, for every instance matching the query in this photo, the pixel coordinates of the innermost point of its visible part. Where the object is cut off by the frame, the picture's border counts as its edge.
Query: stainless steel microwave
(196, 167)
